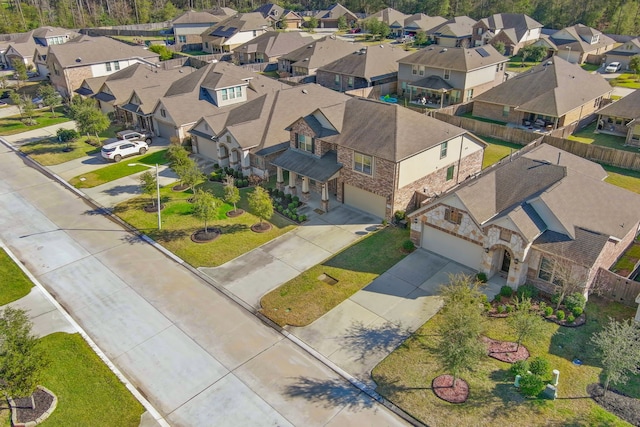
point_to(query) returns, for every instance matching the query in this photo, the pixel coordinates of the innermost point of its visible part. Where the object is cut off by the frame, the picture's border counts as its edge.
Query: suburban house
(329, 18)
(84, 57)
(441, 76)
(306, 60)
(393, 18)
(578, 44)
(542, 217)
(188, 27)
(621, 118)
(249, 135)
(279, 17)
(415, 23)
(31, 47)
(455, 32)
(214, 88)
(624, 53)
(232, 32)
(550, 95)
(514, 30)
(367, 67)
(270, 46)
(375, 156)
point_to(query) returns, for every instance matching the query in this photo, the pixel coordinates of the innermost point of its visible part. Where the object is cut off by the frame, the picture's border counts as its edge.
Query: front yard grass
(89, 394)
(630, 81)
(119, 170)
(515, 64)
(624, 178)
(405, 376)
(13, 125)
(178, 224)
(13, 282)
(49, 152)
(305, 298)
(587, 136)
(496, 150)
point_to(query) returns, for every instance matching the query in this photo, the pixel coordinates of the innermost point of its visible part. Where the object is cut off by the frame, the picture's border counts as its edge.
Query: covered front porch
(502, 265)
(131, 115)
(308, 175)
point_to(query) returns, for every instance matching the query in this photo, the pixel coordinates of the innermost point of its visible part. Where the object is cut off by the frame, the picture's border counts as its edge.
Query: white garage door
(207, 148)
(461, 251)
(364, 200)
(165, 130)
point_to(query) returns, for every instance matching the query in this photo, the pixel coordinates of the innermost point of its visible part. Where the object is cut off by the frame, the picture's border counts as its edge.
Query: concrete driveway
(364, 329)
(255, 273)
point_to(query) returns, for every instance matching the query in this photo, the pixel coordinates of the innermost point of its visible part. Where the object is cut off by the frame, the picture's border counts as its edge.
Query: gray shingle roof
(578, 44)
(552, 88)
(432, 82)
(459, 26)
(422, 22)
(519, 22)
(456, 58)
(319, 169)
(389, 16)
(320, 52)
(627, 107)
(368, 63)
(87, 50)
(584, 249)
(242, 22)
(193, 17)
(274, 43)
(334, 11)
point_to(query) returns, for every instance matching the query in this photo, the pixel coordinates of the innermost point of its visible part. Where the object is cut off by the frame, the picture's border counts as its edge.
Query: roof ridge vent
(444, 49)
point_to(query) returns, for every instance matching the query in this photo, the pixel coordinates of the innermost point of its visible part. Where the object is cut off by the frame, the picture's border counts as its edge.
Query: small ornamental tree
(162, 50)
(17, 100)
(618, 345)
(20, 70)
(190, 174)
(420, 38)
(500, 47)
(313, 23)
(148, 185)
(28, 108)
(50, 97)
(21, 359)
(205, 207)
(634, 64)
(260, 204)
(231, 192)
(88, 116)
(524, 322)
(342, 23)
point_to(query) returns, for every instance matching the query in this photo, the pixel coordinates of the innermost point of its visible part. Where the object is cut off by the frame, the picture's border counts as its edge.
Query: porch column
(292, 182)
(305, 188)
(246, 163)
(325, 197)
(279, 178)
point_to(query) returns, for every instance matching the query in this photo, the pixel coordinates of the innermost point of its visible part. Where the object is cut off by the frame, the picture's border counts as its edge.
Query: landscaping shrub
(484, 298)
(501, 309)
(302, 218)
(408, 245)
(531, 385)
(527, 291)
(497, 299)
(294, 217)
(577, 311)
(399, 215)
(521, 367)
(509, 308)
(288, 197)
(542, 306)
(296, 200)
(541, 367)
(574, 300)
(487, 306)
(292, 206)
(481, 277)
(555, 298)
(560, 315)
(506, 291)
(548, 311)
(66, 135)
(571, 318)
(216, 166)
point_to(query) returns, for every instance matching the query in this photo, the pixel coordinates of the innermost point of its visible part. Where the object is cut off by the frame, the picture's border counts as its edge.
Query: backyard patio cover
(432, 82)
(319, 169)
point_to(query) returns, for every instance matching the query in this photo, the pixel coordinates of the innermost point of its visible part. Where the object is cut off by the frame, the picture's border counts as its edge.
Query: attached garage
(365, 201)
(461, 251)
(165, 130)
(206, 148)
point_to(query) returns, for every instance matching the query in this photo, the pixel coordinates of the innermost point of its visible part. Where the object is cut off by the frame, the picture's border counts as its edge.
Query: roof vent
(309, 46)
(549, 63)
(78, 59)
(444, 50)
(305, 91)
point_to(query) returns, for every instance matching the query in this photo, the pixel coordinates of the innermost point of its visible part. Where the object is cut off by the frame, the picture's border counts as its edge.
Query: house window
(163, 112)
(350, 82)
(469, 94)
(182, 39)
(228, 139)
(505, 235)
(305, 143)
(479, 31)
(546, 269)
(505, 111)
(447, 74)
(362, 163)
(231, 93)
(108, 66)
(206, 44)
(453, 215)
(414, 69)
(450, 170)
(443, 149)
(421, 70)
(116, 65)
(223, 92)
(238, 91)
(255, 33)
(336, 80)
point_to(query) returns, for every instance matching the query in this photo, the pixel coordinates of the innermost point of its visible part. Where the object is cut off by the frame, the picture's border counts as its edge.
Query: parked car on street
(116, 151)
(614, 67)
(135, 135)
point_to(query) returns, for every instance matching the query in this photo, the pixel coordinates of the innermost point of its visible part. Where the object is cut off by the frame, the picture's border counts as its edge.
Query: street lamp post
(157, 190)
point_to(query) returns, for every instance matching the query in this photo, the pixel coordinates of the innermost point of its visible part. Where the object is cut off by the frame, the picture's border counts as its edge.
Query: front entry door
(506, 262)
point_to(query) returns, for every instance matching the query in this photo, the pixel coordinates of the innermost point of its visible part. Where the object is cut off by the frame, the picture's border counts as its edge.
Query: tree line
(610, 16)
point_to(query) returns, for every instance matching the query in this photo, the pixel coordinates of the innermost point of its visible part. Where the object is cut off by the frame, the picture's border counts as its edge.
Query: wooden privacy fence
(515, 135)
(606, 155)
(618, 288)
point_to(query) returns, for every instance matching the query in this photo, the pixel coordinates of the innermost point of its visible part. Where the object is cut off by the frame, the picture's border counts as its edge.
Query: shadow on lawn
(329, 393)
(365, 340)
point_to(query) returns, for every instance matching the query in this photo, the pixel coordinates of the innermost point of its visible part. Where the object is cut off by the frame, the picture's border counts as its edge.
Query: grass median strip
(13, 282)
(118, 170)
(405, 376)
(305, 298)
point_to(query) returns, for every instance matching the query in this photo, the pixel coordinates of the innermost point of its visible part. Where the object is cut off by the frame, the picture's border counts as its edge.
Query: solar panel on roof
(482, 52)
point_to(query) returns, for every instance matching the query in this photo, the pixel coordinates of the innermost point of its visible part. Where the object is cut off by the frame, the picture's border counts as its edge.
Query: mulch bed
(443, 388)
(505, 351)
(179, 187)
(152, 208)
(261, 227)
(623, 406)
(235, 213)
(25, 414)
(202, 236)
(579, 321)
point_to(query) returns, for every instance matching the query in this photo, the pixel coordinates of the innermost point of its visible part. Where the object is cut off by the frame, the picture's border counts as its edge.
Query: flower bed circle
(235, 213)
(205, 236)
(261, 227)
(179, 187)
(443, 388)
(505, 351)
(152, 208)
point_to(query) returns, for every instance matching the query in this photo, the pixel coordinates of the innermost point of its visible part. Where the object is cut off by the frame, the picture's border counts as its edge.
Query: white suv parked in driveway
(117, 150)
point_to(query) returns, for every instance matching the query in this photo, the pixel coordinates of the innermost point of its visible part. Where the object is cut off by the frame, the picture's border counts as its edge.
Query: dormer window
(305, 143)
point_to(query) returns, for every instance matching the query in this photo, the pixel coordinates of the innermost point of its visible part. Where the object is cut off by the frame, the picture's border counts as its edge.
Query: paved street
(198, 357)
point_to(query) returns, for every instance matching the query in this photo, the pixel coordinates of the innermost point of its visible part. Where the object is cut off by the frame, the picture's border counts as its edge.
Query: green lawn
(624, 178)
(12, 125)
(515, 64)
(50, 152)
(13, 282)
(305, 298)
(496, 150)
(586, 136)
(626, 80)
(405, 376)
(590, 67)
(118, 170)
(178, 224)
(469, 115)
(89, 394)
